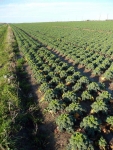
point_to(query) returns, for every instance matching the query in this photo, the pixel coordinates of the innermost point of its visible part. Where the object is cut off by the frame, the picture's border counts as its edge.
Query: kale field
(72, 66)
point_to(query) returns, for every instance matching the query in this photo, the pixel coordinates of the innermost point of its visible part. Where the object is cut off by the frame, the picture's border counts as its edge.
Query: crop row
(102, 26)
(94, 52)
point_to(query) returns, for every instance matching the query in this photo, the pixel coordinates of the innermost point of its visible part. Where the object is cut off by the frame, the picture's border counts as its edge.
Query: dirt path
(10, 37)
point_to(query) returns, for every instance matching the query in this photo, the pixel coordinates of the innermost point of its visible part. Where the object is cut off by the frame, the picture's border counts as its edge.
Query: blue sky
(54, 10)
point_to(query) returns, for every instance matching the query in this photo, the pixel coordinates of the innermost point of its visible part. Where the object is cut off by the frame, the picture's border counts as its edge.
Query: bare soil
(10, 36)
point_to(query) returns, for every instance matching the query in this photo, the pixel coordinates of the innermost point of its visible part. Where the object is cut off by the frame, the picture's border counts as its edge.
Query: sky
(19, 11)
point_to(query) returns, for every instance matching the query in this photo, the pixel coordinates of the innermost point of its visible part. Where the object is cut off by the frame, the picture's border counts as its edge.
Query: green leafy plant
(105, 96)
(51, 74)
(79, 141)
(54, 65)
(61, 88)
(69, 80)
(83, 80)
(54, 82)
(77, 87)
(49, 95)
(69, 96)
(90, 124)
(74, 108)
(93, 87)
(109, 120)
(40, 78)
(90, 66)
(97, 71)
(77, 75)
(44, 87)
(58, 69)
(70, 70)
(86, 96)
(108, 75)
(64, 66)
(55, 105)
(46, 70)
(84, 62)
(102, 143)
(98, 106)
(65, 122)
(63, 74)
(101, 85)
